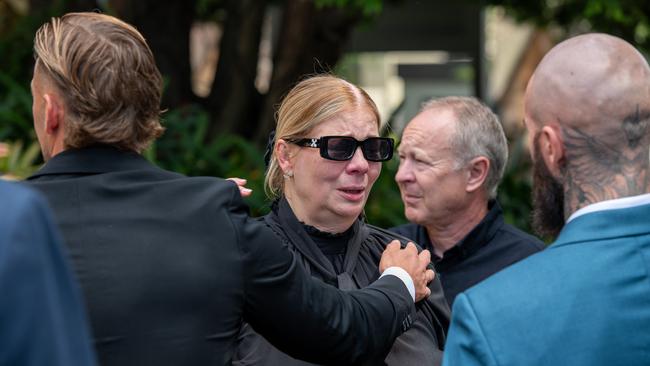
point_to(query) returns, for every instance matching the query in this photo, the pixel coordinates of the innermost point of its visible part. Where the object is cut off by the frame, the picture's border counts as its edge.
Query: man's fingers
(430, 275)
(410, 247)
(422, 294)
(239, 181)
(390, 257)
(393, 246)
(424, 257)
(241, 184)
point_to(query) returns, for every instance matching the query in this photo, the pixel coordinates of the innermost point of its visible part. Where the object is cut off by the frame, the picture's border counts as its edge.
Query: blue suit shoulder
(41, 302)
(18, 202)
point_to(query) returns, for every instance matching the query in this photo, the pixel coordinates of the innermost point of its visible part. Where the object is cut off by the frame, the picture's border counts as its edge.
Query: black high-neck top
(486, 249)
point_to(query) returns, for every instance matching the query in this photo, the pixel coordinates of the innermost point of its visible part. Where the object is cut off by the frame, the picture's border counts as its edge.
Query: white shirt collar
(625, 202)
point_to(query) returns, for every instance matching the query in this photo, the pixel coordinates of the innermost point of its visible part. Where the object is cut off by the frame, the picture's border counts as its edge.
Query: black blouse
(332, 245)
(351, 266)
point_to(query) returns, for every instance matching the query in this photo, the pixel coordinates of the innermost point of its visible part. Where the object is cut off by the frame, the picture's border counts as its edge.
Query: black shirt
(491, 246)
(333, 246)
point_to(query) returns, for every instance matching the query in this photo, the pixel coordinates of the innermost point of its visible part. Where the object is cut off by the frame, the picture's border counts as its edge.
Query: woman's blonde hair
(309, 103)
(108, 79)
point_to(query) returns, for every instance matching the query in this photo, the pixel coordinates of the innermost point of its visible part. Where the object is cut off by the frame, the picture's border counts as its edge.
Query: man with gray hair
(452, 158)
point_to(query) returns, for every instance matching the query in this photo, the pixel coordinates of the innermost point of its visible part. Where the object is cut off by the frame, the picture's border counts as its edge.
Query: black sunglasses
(341, 148)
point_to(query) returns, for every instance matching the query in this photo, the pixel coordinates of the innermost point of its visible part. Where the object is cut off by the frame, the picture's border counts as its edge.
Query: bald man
(586, 299)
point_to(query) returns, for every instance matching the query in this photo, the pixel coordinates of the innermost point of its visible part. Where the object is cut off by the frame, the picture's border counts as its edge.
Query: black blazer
(170, 266)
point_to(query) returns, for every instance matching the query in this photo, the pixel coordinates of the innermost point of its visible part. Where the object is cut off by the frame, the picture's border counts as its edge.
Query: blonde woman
(326, 156)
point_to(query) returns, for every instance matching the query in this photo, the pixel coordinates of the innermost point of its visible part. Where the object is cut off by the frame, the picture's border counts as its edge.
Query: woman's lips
(353, 193)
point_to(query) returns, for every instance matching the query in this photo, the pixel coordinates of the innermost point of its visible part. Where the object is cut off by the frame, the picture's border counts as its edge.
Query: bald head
(587, 107)
(591, 82)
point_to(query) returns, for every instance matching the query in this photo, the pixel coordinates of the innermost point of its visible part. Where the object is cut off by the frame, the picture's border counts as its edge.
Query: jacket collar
(477, 238)
(607, 224)
(92, 160)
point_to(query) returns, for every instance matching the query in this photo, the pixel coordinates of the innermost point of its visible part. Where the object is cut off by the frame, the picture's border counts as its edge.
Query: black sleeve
(306, 318)
(435, 307)
(424, 342)
(417, 346)
(435, 310)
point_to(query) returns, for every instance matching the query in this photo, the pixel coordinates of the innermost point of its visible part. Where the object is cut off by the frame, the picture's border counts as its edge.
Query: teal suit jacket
(585, 300)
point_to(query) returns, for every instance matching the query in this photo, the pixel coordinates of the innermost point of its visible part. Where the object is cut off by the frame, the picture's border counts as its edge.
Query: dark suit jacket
(42, 320)
(171, 265)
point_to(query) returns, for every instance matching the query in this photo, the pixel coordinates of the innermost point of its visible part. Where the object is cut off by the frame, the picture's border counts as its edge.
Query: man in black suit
(171, 265)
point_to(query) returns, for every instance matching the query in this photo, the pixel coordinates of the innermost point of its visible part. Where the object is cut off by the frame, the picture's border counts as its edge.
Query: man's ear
(283, 152)
(551, 149)
(54, 113)
(477, 172)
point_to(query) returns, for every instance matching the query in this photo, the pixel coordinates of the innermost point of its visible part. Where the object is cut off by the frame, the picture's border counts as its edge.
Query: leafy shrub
(515, 188)
(183, 149)
(18, 161)
(384, 207)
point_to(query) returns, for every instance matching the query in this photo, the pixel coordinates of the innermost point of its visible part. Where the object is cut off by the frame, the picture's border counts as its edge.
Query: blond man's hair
(107, 76)
(308, 104)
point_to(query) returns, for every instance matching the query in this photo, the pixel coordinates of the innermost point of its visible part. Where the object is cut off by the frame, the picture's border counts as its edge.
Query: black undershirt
(333, 246)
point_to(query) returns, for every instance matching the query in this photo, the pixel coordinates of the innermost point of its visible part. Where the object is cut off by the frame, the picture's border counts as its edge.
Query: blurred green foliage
(628, 19)
(183, 149)
(18, 161)
(368, 8)
(515, 189)
(15, 110)
(384, 207)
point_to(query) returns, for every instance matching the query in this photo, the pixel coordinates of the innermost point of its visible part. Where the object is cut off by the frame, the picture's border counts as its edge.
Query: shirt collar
(625, 202)
(478, 237)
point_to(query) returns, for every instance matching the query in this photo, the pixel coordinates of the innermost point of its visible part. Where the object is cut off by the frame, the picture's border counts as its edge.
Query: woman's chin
(350, 210)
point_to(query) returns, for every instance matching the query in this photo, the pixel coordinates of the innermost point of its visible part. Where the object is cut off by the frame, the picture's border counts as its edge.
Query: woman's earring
(288, 174)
